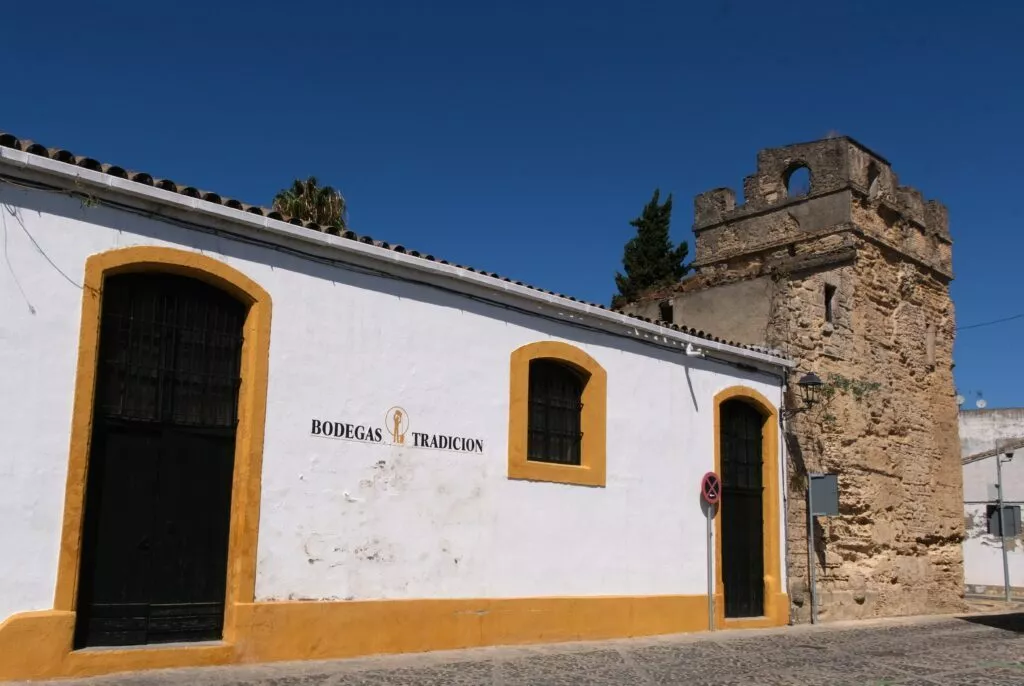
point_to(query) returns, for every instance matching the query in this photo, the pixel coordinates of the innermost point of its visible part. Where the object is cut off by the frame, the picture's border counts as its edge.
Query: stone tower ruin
(849, 276)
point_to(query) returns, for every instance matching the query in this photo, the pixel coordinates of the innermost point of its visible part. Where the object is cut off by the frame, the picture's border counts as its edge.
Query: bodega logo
(397, 420)
(395, 432)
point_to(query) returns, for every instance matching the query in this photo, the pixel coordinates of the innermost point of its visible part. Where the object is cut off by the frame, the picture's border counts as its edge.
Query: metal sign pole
(711, 492)
(810, 553)
(711, 570)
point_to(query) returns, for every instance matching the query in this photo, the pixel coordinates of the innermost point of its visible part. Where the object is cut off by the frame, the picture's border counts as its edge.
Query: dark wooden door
(158, 496)
(742, 509)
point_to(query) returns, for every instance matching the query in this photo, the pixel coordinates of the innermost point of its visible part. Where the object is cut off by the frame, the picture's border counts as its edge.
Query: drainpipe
(784, 487)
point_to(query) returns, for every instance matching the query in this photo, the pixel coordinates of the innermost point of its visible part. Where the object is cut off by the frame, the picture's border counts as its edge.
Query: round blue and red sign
(711, 488)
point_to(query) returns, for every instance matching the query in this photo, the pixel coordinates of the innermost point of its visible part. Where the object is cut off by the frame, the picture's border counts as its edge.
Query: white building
(227, 438)
(987, 436)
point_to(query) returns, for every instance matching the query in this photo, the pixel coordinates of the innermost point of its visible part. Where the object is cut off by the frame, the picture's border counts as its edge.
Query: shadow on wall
(1013, 621)
(208, 241)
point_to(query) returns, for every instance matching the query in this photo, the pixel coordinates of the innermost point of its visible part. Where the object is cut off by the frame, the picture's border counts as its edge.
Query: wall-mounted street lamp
(810, 388)
(810, 393)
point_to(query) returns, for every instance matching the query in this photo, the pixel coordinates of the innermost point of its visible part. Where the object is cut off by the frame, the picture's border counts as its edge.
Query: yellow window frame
(593, 423)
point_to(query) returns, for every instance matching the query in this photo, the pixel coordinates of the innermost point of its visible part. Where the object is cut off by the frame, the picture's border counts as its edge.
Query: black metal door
(742, 509)
(158, 496)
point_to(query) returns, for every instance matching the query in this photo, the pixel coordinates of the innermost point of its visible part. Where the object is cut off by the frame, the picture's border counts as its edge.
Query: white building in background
(251, 440)
(986, 436)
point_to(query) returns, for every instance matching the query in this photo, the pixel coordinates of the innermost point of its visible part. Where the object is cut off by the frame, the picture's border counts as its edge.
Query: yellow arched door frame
(252, 403)
(776, 601)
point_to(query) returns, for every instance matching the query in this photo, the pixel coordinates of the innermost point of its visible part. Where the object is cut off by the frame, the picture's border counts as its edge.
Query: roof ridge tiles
(9, 140)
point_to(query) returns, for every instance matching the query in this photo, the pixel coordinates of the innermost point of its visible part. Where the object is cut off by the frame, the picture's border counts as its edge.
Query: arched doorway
(158, 490)
(742, 519)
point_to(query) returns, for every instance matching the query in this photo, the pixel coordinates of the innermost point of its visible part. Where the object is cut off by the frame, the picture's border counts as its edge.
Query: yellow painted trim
(592, 471)
(35, 645)
(776, 602)
(252, 402)
(38, 645)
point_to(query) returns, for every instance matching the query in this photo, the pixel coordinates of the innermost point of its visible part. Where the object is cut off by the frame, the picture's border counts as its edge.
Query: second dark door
(742, 510)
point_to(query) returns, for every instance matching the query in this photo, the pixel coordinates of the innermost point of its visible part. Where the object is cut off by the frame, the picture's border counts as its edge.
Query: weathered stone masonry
(881, 256)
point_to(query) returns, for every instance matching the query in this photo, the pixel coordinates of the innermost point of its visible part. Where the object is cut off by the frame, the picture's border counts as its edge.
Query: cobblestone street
(976, 651)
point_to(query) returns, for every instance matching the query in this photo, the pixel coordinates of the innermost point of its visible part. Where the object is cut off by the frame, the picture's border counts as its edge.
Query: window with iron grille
(1011, 517)
(556, 406)
(170, 352)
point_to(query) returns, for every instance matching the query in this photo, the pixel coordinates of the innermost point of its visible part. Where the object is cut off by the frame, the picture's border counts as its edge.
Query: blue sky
(521, 137)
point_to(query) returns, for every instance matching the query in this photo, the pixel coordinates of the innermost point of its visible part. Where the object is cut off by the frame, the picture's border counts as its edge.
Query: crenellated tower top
(806, 190)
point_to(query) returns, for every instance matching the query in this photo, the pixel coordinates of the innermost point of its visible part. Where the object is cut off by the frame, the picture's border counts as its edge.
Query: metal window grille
(1011, 515)
(556, 408)
(741, 445)
(170, 352)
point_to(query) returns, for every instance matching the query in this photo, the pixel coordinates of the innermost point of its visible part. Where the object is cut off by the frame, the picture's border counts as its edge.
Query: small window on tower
(830, 298)
(873, 183)
(666, 311)
(797, 181)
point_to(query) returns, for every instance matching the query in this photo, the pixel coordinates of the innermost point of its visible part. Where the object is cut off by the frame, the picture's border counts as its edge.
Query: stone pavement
(973, 651)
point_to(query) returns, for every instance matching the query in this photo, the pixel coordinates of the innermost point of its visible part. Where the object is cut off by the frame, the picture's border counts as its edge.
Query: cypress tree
(650, 260)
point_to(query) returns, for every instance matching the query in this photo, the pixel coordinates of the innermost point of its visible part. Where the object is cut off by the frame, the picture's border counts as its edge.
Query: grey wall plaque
(825, 494)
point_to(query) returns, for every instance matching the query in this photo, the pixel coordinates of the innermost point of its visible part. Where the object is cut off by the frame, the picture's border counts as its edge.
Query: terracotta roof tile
(8, 140)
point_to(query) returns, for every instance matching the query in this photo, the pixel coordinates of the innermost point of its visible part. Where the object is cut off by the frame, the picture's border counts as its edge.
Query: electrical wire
(39, 248)
(994, 321)
(10, 267)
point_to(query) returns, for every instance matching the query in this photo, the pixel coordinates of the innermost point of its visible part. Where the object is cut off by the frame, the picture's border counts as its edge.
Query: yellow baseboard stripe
(37, 645)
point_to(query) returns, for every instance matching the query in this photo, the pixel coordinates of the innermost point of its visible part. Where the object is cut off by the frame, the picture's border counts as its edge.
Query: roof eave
(185, 208)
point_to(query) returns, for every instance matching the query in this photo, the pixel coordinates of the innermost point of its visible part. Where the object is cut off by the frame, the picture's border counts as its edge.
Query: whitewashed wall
(981, 431)
(983, 556)
(341, 519)
(980, 479)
